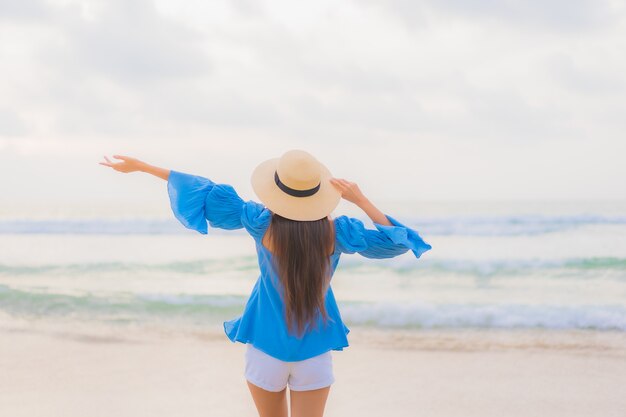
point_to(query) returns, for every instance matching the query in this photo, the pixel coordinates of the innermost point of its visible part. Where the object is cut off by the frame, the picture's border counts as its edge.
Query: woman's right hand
(349, 190)
(128, 164)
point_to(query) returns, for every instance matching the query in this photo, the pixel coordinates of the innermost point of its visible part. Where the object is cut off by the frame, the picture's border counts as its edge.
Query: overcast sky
(420, 100)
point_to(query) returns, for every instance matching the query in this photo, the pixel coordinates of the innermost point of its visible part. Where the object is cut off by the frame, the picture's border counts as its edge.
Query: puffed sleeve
(196, 200)
(383, 242)
(256, 218)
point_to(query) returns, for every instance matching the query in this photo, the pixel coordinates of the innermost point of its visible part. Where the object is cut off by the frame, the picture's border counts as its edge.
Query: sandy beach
(51, 370)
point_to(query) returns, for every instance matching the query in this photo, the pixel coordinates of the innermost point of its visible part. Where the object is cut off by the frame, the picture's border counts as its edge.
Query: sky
(414, 100)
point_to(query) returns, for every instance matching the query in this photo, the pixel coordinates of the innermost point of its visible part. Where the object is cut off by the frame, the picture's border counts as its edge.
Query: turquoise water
(493, 265)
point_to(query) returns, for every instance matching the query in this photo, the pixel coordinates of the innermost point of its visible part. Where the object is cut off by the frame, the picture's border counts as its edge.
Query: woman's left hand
(128, 163)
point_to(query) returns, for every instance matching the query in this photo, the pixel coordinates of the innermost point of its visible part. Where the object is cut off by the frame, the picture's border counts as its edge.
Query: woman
(291, 321)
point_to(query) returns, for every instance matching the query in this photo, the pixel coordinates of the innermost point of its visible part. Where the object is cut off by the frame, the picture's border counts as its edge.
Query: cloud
(24, 10)
(129, 42)
(11, 124)
(592, 81)
(548, 16)
(249, 8)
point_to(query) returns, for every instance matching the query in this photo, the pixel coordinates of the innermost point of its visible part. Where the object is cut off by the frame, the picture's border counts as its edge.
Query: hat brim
(314, 207)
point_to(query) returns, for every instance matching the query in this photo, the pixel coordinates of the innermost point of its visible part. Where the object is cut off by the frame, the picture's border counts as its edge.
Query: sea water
(557, 265)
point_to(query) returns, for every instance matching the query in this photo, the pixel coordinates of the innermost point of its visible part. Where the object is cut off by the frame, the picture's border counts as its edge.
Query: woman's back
(266, 240)
(300, 255)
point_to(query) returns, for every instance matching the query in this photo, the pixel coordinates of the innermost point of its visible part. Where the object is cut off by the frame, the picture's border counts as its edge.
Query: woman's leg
(268, 403)
(309, 403)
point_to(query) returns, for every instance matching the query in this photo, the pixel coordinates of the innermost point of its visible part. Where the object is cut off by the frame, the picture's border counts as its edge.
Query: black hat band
(293, 192)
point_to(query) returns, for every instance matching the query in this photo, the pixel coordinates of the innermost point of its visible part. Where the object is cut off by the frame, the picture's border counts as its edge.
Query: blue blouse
(196, 200)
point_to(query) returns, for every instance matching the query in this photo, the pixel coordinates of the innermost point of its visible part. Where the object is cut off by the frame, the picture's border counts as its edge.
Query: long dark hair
(301, 253)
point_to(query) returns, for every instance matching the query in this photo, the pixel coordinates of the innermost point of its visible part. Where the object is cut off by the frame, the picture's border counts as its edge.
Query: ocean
(554, 265)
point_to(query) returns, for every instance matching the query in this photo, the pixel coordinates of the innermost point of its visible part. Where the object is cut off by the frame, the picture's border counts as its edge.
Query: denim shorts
(272, 374)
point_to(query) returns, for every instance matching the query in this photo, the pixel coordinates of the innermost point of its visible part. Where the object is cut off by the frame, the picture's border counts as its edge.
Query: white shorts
(272, 374)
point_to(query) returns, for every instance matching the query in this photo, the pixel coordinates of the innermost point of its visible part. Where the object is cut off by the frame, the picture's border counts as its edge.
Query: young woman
(291, 322)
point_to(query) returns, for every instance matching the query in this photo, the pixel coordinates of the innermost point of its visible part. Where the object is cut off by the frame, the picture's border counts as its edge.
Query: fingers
(110, 163)
(342, 182)
(122, 157)
(345, 187)
(107, 163)
(337, 186)
(349, 190)
(337, 183)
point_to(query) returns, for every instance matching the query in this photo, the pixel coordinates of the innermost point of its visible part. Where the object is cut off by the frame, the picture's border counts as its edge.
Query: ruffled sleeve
(384, 242)
(256, 218)
(196, 200)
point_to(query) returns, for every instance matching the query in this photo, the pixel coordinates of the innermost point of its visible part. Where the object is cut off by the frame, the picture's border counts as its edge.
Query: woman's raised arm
(390, 238)
(198, 202)
(129, 164)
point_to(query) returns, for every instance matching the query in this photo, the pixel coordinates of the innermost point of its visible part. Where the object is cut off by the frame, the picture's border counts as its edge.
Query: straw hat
(295, 186)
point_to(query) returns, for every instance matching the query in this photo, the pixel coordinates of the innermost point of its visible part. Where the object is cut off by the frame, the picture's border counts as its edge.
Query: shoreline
(427, 339)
